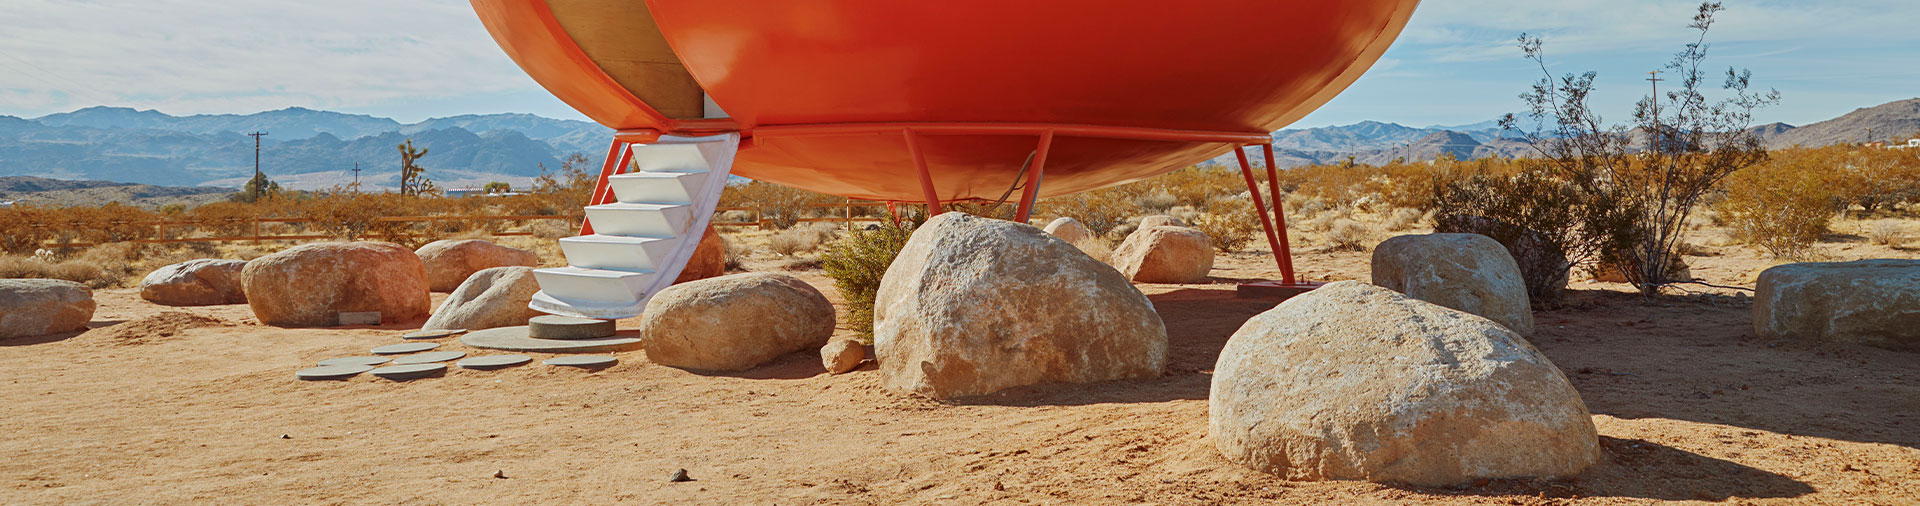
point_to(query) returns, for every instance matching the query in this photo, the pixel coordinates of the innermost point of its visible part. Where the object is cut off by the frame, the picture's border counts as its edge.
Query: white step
(619, 253)
(642, 242)
(593, 286)
(657, 187)
(640, 220)
(670, 155)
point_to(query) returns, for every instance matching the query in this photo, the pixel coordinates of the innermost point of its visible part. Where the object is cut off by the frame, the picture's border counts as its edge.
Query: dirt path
(1689, 405)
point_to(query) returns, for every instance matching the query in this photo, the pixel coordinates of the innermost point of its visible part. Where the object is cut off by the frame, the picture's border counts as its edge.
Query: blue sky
(416, 59)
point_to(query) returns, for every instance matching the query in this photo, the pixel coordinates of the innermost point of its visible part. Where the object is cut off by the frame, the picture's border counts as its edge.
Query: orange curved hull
(1235, 66)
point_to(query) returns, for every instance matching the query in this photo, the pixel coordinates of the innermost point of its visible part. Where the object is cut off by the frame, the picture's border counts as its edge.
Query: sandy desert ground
(200, 406)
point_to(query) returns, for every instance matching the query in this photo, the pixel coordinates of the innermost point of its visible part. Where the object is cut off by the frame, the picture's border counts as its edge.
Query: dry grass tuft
(1887, 233)
(1349, 235)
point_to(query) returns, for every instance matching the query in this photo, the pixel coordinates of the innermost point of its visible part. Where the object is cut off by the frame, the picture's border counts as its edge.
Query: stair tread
(654, 174)
(636, 206)
(614, 239)
(591, 272)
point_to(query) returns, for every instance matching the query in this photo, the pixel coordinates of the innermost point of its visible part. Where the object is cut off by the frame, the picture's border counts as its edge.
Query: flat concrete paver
(396, 349)
(493, 361)
(411, 371)
(331, 372)
(431, 333)
(356, 361)
(516, 339)
(582, 361)
(429, 357)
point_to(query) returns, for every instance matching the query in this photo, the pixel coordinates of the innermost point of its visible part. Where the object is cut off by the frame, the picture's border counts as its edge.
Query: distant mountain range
(313, 149)
(304, 148)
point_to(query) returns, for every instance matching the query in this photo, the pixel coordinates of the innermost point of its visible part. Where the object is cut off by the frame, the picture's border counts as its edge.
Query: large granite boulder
(1165, 254)
(1356, 382)
(37, 307)
(1069, 229)
(709, 258)
(1468, 272)
(734, 323)
(1543, 266)
(1870, 302)
(973, 306)
(450, 261)
(203, 282)
(491, 298)
(311, 284)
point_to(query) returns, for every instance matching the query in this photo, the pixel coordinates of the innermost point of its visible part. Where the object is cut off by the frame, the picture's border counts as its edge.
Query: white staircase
(643, 239)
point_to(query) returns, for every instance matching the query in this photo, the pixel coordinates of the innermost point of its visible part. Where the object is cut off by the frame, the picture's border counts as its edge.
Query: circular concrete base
(332, 372)
(567, 327)
(429, 357)
(586, 361)
(413, 371)
(356, 361)
(494, 361)
(517, 339)
(396, 349)
(431, 333)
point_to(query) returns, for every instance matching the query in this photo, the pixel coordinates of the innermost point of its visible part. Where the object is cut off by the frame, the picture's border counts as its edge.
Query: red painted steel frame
(1266, 222)
(1032, 184)
(618, 156)
(1279, 216)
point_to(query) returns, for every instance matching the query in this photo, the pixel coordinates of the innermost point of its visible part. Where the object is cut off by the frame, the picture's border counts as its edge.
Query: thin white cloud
(195, 56)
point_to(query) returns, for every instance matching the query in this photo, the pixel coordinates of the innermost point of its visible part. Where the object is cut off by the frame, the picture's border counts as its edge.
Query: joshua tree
(412, 181)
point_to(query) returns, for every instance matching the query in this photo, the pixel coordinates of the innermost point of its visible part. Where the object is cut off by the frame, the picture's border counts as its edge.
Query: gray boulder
(735, 322)
(491, 298)
(203, 282)
(1468, 272)
(1869, 302)
(37, 307)
(1356, 382)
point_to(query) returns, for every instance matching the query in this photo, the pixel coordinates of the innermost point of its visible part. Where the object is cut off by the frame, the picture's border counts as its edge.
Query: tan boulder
(491, 298)
(842, 356)
(1868, 302)
(37, 307)
(735, 322)
(203, 282)
(450, 261)
(709, 258)
(972, 306)
(1165, 254)
(1069, 229)
(1356, 382)
(1468, 272)
(311, 284)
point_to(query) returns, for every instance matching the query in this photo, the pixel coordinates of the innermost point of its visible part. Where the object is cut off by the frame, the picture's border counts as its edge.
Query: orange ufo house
(937, 102)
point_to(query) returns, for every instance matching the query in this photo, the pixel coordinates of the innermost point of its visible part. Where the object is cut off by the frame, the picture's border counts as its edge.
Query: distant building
(465, 192)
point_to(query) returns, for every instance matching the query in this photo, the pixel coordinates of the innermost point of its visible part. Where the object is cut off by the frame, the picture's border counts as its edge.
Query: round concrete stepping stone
(567, 327)
(356, 361)
(396, 349)
(582, 361)
(516, 339)
(410, 371)
(429, 357)
(494, 361)
(431, 333)
(331, 372)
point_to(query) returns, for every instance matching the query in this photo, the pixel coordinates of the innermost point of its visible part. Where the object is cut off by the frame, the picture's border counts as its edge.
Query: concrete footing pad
(356, 361)
(518, 339)
(431, 333)
(567, 327)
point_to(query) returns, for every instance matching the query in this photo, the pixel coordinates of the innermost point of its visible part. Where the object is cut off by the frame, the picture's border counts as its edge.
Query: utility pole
(258, 181)
(1653, 137)
(356, 174)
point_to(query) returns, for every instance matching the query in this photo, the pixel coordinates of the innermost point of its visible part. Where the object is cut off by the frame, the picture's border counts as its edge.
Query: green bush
(857, 263)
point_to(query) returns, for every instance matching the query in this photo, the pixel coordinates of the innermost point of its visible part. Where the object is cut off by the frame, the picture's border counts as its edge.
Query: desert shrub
(799, 240)
(1887, 232)
(1095, 247)
(857, 263)
(1781, 206)
(1553, 222)
(1349, 235)
(1402, 219)
(24, 228)
(1100, 210)
(1156, 202)
(780, 206)
(1872, 178)
(737, 253)
(1231, 222)
(78, 271)
(223, 219)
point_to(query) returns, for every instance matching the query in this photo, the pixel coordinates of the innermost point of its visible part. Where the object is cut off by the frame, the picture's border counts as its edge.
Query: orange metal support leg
(926, 178)
(617, 158)
(1285, 253)
(1039, 167)
(1253, 190)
